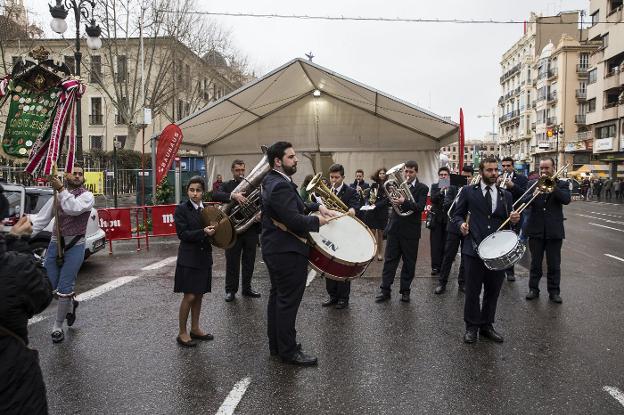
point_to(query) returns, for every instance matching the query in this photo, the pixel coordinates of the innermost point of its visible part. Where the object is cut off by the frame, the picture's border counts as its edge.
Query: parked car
(29, 201)
(575, 188)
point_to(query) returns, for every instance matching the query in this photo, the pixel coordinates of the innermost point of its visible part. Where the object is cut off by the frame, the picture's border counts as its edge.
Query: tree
(172, 35)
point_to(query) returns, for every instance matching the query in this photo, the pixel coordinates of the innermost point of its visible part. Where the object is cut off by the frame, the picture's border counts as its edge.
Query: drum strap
(283, 227)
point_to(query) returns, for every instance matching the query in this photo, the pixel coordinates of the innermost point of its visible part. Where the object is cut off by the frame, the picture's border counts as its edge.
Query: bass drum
(501, 250)
(342, 249)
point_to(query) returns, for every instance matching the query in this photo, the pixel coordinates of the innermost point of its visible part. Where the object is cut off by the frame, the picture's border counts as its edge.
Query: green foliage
(164, 193)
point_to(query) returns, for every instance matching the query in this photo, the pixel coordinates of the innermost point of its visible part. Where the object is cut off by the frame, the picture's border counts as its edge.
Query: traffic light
(549, 133)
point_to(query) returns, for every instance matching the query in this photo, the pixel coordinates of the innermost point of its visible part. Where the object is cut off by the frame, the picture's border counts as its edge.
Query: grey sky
(438, 66)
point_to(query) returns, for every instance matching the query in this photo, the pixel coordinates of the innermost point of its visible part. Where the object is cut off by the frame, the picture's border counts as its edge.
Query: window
(605, 40)
(121, 141)
(70, 61)
(122, 68)
(591, 105)
(608, 131)
(96, 117)
(95, 142)
(584, 60)
(595, 18)
(593, 76)
(95, 73)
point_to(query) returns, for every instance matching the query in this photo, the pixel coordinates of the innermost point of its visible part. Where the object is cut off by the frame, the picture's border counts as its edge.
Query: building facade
(474, 150)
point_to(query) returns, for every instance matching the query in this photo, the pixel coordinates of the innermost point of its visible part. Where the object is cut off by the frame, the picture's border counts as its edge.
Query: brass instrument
(396, 186)
(233, 218)
(545, 184)
(372, 195)
(475, 180)
(504, 180)
(330, 200)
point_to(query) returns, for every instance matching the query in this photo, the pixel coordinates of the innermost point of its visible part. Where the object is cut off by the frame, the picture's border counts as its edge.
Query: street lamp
(58, 24)
(493, 116)
(558, 131)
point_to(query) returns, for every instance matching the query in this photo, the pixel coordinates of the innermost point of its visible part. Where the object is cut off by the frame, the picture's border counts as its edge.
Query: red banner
(115, 223)
(162, 220)
(168, 145)
(461, 141)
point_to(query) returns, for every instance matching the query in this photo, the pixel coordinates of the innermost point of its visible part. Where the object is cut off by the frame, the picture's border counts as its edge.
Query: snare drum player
(480, 210)
(339, 290)
(285, 252)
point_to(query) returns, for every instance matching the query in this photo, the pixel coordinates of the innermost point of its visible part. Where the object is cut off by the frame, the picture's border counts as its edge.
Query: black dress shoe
(440, 289)
(301, 359)
(190, 343)
(532, 295)
(71, 316)
(229, 297)
(382, 296)
(58, 336)
(251, 293)
(329, 301)
(342, 303)
(490, 333)
(461, 288)
(470, 336)
(405, 297)
(204, 337)
(275, 352)
(435, 271)
(555, 298)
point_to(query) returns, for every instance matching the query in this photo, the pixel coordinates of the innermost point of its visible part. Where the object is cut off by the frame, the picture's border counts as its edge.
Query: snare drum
(501, 250)
(342, 249)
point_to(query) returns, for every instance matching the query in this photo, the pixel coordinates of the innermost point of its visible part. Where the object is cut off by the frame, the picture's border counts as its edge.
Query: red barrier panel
(115, 223)
(427, 208)
(162, 220)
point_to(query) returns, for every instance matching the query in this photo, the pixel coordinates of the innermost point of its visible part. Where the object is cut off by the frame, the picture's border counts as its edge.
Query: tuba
(239, 217)
(396, 187)
(330, 200)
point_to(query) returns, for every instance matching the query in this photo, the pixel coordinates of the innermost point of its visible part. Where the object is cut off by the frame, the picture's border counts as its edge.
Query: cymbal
(225, 236)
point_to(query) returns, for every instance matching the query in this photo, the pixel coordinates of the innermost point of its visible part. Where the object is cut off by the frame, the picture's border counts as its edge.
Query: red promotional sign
(162, 220)
(423, 216)
(115, 223)
(168, 145)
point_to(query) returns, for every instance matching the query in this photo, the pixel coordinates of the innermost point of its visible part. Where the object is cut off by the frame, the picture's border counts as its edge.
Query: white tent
(349, 122)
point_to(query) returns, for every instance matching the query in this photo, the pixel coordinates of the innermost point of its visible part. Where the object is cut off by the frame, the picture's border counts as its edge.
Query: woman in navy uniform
(377, 219)
(193, 273)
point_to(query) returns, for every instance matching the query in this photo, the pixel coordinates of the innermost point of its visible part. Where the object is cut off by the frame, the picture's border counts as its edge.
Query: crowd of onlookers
(605, 190)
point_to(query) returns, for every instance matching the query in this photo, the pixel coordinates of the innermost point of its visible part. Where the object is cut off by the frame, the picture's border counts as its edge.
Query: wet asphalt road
(392, 358)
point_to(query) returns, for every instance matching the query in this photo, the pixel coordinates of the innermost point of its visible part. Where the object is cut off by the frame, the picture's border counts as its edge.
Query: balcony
(581, 94)
(580, 119)
(552, 73)
(552, 98)
(533, 104)
(582, 70)
(510, 73)
(551, 121)
(583, 136)
(501, 99)
(533, 126)
(612, 79)
(96, 119)
(510, 116)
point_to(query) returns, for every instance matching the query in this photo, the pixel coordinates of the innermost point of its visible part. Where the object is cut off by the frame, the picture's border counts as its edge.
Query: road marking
(88, 295)
(616, 393)
(606, 214)
(604, 226)
(160, 264)
(236, 394)
(615, 257)
(603, 219)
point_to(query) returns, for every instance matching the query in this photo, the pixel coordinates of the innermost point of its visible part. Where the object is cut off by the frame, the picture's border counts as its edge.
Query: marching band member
(359, 184)
(339, 290)
(377, 218)
(285, 252)
(439, 219)
(479, 211)
(403, 236)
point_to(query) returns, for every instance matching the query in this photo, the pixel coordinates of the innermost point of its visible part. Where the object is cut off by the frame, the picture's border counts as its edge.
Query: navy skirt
(192, 280)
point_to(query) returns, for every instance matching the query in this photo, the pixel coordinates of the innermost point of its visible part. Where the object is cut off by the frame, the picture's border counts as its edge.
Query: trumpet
(397, 187)
(506, 178)
(330, 200)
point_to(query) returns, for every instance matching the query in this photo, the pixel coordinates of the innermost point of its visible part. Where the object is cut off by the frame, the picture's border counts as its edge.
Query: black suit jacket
(363, 185)
(545, 219)
(349, 197)
(451, 194)
(520, 182)
(195, 250)
(438, 211)
(407, 227)
(482, 221)
(281, 201)
(223, 196)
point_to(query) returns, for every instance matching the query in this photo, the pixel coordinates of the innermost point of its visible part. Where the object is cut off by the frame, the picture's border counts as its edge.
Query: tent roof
(295, 80)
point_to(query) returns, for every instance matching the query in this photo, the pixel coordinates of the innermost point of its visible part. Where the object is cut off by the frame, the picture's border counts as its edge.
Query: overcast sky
(438, 66)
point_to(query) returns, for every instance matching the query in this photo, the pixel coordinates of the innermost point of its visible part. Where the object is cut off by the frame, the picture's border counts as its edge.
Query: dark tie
(335, 191)
(488, 198)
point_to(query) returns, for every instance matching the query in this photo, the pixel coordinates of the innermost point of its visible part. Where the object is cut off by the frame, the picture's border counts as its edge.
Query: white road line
(603, 219)
(616, 393)
(89, 295)
(615, 257)
(236, 394)
(160, 264)
(604, 226)
(607, 214)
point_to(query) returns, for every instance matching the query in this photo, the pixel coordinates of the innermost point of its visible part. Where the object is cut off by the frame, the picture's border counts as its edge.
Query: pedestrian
(617, 185)
(62, 264)
(480, 210)
(24, 291)
(285, 252)
(244, 248)
(193, 273)
(584, 188)
(377, 217)
(608, 186)
(216, 185)
(339, 291)
(546, 233)
(403, 234)
(437, 219)
(598, 189)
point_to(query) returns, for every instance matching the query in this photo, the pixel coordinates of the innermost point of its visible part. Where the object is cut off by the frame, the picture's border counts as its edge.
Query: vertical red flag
(461, 140)
(168, 145)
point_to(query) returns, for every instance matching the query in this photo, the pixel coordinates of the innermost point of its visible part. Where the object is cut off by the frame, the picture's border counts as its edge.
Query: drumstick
(335, 217)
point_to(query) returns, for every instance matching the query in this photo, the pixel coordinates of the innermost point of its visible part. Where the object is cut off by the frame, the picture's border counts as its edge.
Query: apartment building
(473, 149)
(605, 86)
(519, 84)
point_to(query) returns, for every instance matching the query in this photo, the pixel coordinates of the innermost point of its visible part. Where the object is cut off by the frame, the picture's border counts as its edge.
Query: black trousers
(244, 247)
(437, 239)
(453, 242)
(288, 274)
(396, 249)
(338, 289)
(552, 247)
(479, 277)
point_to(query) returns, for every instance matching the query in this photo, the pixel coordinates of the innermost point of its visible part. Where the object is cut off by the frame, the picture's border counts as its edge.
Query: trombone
(545, 184)
(330, 200)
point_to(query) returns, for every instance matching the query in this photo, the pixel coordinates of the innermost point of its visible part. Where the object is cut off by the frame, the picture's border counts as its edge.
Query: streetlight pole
(59, 25)
(493, 116)
(115, 145)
